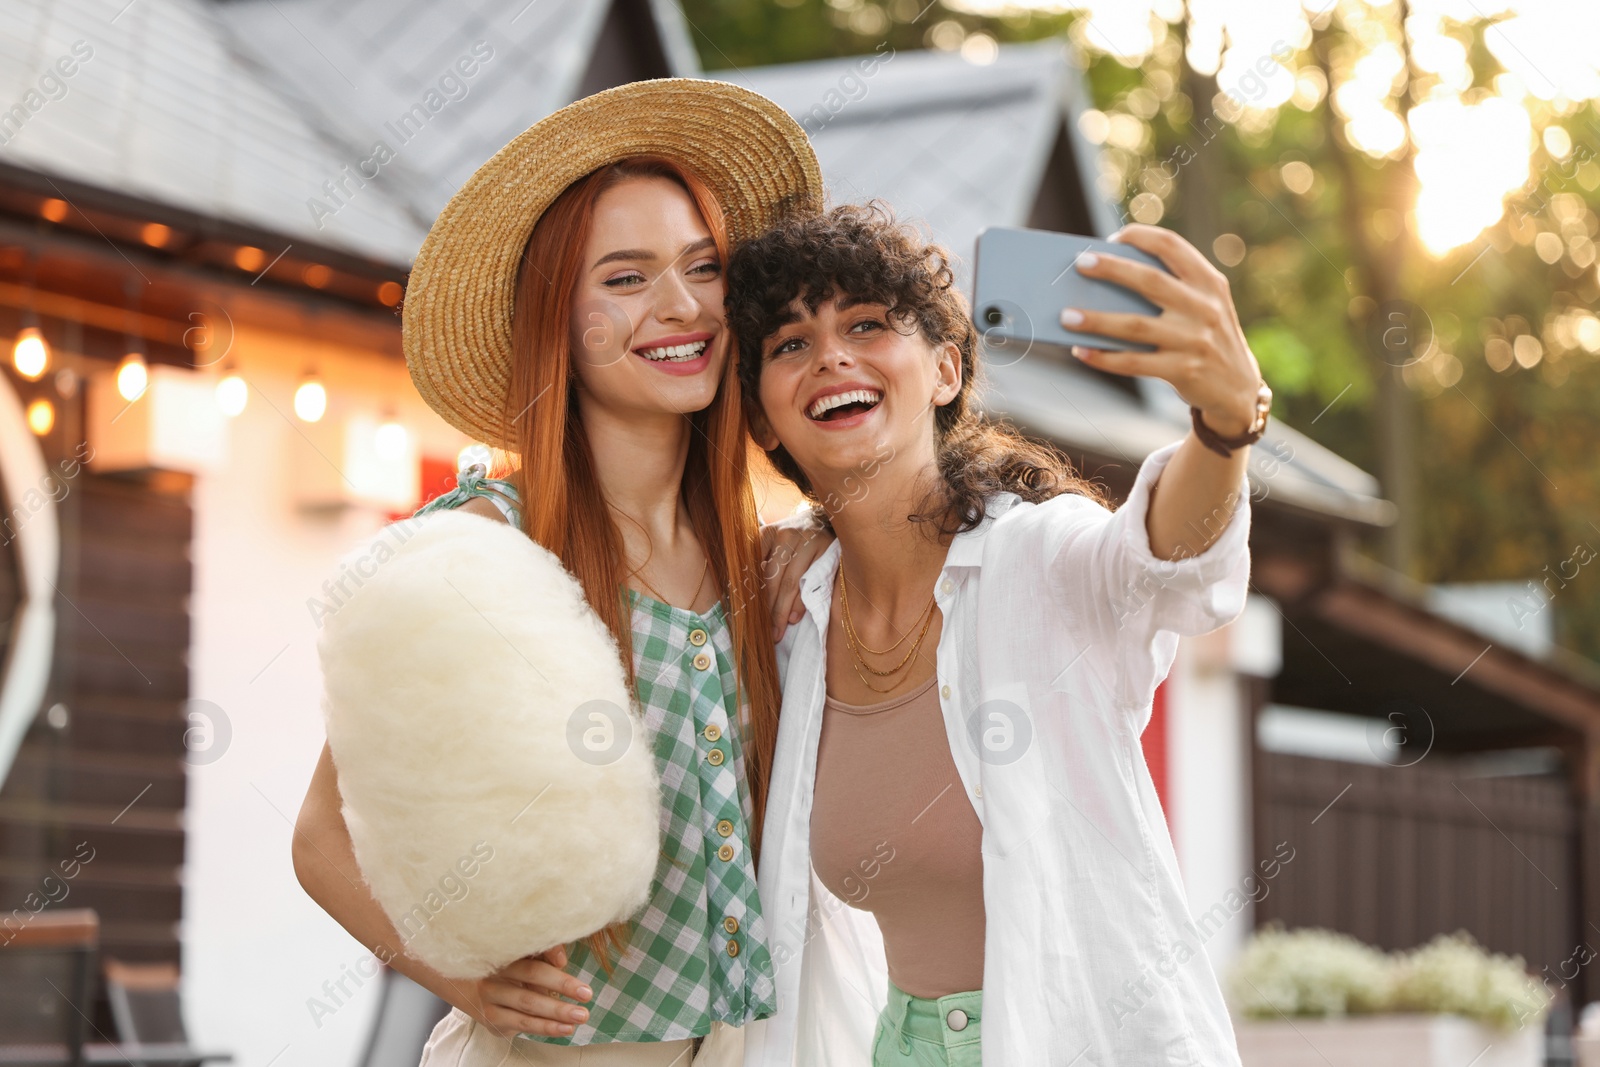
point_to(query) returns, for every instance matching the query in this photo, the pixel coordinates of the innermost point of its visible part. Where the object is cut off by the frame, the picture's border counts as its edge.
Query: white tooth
(675, 353)
(851, 396)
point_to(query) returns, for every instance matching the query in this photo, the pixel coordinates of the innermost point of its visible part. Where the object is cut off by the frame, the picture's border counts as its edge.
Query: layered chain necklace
(857, 647)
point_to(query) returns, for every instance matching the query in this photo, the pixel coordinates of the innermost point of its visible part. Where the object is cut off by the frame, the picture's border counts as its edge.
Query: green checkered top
(698, 949)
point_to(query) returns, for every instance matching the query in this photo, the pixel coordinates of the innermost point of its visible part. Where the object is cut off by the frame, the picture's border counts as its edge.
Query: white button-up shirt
(1059, 623)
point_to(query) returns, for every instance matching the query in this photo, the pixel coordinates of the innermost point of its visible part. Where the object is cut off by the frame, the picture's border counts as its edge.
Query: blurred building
(233, 189)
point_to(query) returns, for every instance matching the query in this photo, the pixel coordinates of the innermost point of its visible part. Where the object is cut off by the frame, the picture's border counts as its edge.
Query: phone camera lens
(993, 316)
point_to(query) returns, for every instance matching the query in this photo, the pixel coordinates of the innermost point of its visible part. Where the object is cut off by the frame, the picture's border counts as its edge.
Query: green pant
(916, 1032)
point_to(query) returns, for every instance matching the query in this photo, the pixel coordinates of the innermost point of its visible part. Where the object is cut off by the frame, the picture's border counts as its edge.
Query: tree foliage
(1337, 201)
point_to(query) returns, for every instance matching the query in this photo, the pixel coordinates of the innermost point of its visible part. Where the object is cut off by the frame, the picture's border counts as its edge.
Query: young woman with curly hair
(959, 752)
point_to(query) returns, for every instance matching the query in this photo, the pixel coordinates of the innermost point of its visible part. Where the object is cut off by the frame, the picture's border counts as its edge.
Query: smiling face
(844, 386)
(647, 321)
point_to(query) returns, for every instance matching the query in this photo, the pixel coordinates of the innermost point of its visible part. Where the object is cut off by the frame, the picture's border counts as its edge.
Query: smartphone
(1023, 279)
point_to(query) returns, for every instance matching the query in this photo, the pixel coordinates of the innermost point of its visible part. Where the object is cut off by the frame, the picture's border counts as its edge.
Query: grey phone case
(1024, 278)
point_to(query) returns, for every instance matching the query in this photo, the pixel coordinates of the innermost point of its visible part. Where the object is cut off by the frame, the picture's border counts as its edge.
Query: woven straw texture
(457, 312)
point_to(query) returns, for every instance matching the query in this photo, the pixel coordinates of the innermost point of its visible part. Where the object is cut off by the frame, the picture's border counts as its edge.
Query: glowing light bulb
(390, 441)
(132, 377)
(30, 355)
(310, 400)
(232, 395)
(41, 416)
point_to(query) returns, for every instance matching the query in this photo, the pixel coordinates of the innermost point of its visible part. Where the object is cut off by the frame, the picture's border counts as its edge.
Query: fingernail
(1088, 259)
(584, 993)
(794, 616)
(577, 1014)
(1071, 317)
(1080, 352)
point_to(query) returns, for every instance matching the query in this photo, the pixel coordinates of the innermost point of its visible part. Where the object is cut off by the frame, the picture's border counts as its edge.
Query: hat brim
(456, 320)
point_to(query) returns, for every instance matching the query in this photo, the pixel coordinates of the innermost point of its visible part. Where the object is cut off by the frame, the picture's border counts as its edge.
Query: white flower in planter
(1453, 975)
(1309, 972)
(1446, 1003)
(1321, 973)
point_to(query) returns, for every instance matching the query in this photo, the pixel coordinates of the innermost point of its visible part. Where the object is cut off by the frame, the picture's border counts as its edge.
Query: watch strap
(1226, 446)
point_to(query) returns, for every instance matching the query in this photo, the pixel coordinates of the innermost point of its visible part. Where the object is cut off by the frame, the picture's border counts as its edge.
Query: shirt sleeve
(1117, 592)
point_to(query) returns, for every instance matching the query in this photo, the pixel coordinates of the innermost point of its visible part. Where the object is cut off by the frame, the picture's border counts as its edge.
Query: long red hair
(562, 506)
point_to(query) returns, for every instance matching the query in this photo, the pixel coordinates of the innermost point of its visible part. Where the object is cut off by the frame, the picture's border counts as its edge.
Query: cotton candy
(499, 790)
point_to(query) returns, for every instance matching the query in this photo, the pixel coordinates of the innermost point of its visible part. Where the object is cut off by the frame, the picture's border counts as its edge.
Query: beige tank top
(893, 833)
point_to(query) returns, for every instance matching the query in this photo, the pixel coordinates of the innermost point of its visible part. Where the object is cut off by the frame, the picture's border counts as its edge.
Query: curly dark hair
(862, 253)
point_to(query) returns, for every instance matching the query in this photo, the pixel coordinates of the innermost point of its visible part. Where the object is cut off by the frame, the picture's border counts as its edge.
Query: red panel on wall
(1154, 741)
(438, 478)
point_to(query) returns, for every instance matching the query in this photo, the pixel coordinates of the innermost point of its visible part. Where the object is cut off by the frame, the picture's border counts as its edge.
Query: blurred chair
(406, 1016)
(145, 1008)
(47, 987)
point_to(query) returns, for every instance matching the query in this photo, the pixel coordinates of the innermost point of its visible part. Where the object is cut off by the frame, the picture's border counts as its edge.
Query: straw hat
(457, 313)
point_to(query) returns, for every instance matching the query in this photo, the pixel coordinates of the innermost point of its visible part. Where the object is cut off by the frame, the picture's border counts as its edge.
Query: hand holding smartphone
(1149, 304)
(1024, 278)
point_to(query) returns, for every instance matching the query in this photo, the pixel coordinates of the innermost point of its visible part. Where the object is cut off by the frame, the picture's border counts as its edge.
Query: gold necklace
(855, 637)
(656, 593)
(855, 646)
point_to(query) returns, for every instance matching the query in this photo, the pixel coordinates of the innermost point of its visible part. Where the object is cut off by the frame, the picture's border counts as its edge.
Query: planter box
(1386, 1041)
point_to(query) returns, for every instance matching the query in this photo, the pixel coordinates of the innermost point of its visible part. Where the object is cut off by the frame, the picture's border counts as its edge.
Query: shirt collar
(966, 550)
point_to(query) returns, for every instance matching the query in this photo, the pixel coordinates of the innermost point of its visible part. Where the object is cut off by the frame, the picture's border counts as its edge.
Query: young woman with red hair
(567, 309)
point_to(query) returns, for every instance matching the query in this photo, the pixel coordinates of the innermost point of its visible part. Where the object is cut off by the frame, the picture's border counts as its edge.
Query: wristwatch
(1226, 446)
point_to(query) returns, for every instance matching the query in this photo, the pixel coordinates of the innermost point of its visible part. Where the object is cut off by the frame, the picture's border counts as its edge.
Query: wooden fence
(1396, 855)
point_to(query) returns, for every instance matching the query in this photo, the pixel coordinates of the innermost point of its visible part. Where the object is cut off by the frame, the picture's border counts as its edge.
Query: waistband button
(956, 1019)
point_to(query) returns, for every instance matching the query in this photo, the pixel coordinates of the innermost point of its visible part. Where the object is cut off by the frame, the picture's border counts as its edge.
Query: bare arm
(516, 999)
(1194, 500)
(1201, 350)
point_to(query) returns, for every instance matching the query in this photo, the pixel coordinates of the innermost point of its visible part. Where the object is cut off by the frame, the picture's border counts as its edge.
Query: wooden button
(725, 828)
(731, 925)
(715, 757)
(733, 948)
(712, 731)
(725, 853)
(702, 662)
(697, 637)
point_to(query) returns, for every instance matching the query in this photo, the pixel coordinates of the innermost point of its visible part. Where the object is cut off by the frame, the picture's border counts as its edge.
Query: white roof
(243, 109)
(358, 67)
(957, 144)
(160, 110)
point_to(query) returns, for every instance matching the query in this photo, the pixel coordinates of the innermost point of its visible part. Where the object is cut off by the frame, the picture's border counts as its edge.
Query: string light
(132, 377)
(310, 400)
(41, 416)
(232, 394)
(30, 355)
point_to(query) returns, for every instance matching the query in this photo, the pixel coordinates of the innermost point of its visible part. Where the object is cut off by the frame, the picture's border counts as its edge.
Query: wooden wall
(1405, 853)
(103, 779)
